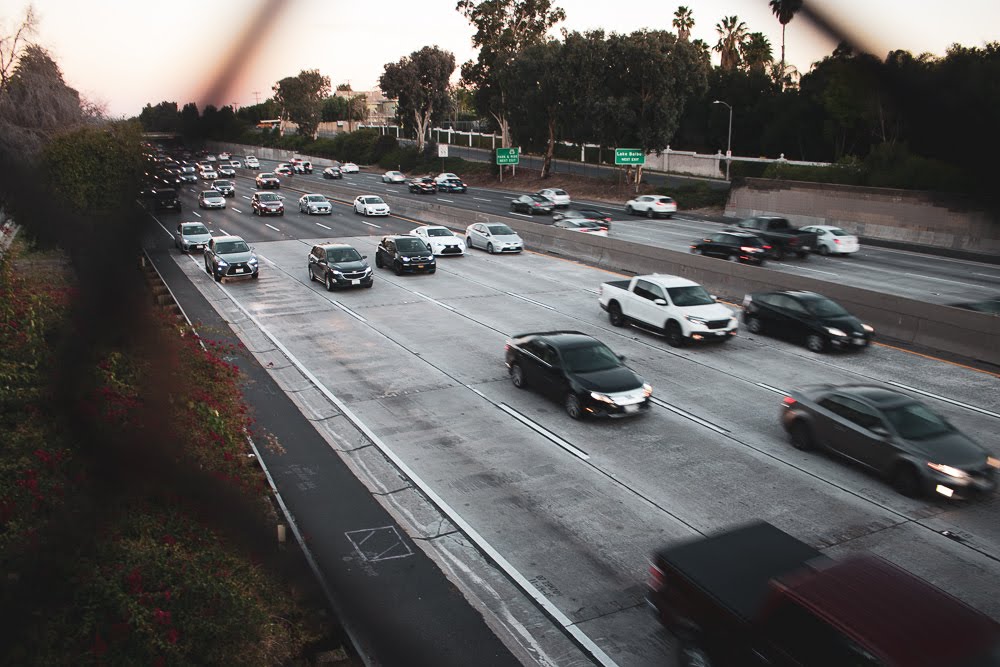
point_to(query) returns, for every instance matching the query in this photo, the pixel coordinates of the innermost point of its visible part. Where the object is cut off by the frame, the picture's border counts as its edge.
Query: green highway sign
(508, 155)
(629, 156)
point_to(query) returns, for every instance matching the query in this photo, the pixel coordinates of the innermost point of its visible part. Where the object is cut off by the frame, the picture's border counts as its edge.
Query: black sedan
(405, 254)
(736, 246)
(579, 371)
(806, 317)
(332, 172)
(532, 204)
(422, 186)
(452, 185)
(891, 434)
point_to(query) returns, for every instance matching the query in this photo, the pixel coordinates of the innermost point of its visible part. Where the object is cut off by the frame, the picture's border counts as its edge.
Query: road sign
(508, 155)
(629, 156)
(442, 150)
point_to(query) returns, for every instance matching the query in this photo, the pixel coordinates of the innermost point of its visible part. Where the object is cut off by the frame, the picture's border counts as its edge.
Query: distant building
(380, 109)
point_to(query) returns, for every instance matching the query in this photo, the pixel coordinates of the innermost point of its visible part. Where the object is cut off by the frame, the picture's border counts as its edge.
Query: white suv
(251, 162)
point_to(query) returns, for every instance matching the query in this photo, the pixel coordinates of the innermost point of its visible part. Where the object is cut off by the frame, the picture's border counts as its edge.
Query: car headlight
(603, 398)
(404, 259)
(647, 389)
(993, 462)
(833, 331)
(692, 318)
(221, 261)
(948, 470)
(252, 260)
(867, 328)
(337, 273)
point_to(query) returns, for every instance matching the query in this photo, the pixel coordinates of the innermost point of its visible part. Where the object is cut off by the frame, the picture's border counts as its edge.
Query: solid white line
(687, 415)
(523, 215)
(196, 213)
(987, 275)
(267, 224)
(538, 428)
(323, 226)
(944, 280)
(450, 201)
(236, 209)
(946, 400)
(530, 589)
(524, 298)
(443, 305)
(371, 224)
(348, 311)
(796, 266)
(224, 232)
(477, 198)
(770, 388)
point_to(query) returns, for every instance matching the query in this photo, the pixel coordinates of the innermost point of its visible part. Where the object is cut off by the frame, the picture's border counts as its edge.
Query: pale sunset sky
(126, 53)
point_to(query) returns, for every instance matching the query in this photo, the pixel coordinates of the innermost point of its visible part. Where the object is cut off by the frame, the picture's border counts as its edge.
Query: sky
(127, 53)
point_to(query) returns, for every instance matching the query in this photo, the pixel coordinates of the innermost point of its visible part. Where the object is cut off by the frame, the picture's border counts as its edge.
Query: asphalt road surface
(575, 508)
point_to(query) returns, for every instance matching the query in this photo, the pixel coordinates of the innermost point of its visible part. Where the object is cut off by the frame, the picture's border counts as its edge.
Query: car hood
(443, 240)
(237, 257)
(413, 253)
(271, 204)
(846, 323)
(197, 238)
(620, 378)
(506, 238)
(710, 311)
(359, 265)
(216, 199)
(318, 204)
(953, 449)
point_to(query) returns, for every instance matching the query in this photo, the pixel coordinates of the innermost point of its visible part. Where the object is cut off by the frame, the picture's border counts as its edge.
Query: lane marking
(688, 415)
(796, 266)
(523, 215)
(235, 209)
(945, 280)
(987, 275)
(267, 224)
(244, 196)
(541, 430)
(770, 388)
(945, 399)
(323, 226)
(224, 232)
(524, 298)
(443, 305)
(196, 213)
(450, 201)
(371, 224)
(476, 198)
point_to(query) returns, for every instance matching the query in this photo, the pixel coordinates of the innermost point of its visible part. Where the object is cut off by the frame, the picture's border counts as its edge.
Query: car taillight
(836, 240)
(767, 247)
(789, 401)
(656, 578)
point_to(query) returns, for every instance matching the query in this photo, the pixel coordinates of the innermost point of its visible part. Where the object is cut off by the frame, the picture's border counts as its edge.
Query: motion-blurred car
(833, 240)
(393, 177)
(315, 205)
(422, 186)
(339, 265)
(652, 206)
(191, 236)
(267, 180)
(235, 164)
(230, 257)
(805, 316)
(211, 199)
(284, 169)
(350, 168)
(251, 162)
(603, 219)
(891, 434)
(332, 172)
(531, 204)
(579, 371)
(188, 177)
(452, 185)
(441, 240)
(267, 203)
(227, 188)
(405, 254)
(493, 237)
(581, 225)
(558, 196)
(446, 176)
(370, 205)
(735, 246)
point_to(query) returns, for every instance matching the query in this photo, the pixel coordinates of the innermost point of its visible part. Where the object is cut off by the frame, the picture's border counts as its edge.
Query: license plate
(240, 270)
(631, 408)
(420, 266)
(720, 333)
(355, 281)
(859, 341)
(807, 247)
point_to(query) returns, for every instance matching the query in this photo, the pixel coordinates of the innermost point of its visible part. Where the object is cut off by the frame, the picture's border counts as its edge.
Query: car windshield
(589, 358)
(410, 245)
(336, 255)
(373, 200)
(501, 230)
(222, 184)
(319, 199)
(690, 295)
(209, 194)
(268, 196)
(915, 421)
(268, 175)
(538, 198)
(439, 231)
(664, 200)
(837, 232)
(559, 193)
(230, 247)
(825, 308)
(195, 229)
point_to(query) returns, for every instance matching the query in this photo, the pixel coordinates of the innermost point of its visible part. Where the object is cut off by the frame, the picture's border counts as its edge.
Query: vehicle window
(547, 354)
(501, 230)
(718, 238)
(836, 231)
(373, 200)
(229, 247)
(269, 196)
(538, 198)
(915, 421)
(852, 410)
(811, 641)
(664, 200)
(316, 198)
(825, 308)
(439, 232)
(642, 289)
(335, 255)
(194, 229)
(410, 245)
(789, 304)
(692, 295)
(589, 358)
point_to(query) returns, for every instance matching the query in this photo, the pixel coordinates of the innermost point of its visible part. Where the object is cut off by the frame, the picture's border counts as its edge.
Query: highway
(575, 508)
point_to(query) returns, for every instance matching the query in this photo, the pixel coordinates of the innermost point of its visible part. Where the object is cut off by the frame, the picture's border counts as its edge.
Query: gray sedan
(191, 236)
(211, 199)
(493, 237)
(315, 205)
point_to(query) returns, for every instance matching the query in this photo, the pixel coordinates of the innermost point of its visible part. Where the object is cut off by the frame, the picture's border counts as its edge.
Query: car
(267, 180)
(832, 240)
(370, 205)
(405, 254)
(805, 317)
(603, 219)
(315, 204)
(227, 188)
(531, 204)
(579, 371)
(267, 203)
(349, 168)
(422, 186)
(339, 265)
(558, 196)
(581, 225)
(446, 176)
(251, 162)
(736, 246)
(332, 172)
(226, 171)
(211, 199)
(652, 206)
(779, 233)
(230, 257)
(441, 240)
(191, 236)
(284, 169)
(892, 434)
(164, 198)
(235, 164)
(208, 174)
(493, 237)
(393, 177)
(452, 185)
(305, 166)
(210, 158)
(188, 177)
(225, 156)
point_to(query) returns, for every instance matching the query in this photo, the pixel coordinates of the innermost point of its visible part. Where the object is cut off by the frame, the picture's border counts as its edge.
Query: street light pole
(729, 141)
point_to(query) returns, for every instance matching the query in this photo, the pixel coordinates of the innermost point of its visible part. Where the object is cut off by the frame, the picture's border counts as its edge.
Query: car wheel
(329, 283)
(397, 268)
(675, 337)
(468, 242)
(629, 210)
(311, 276)
(823, 250)
(803, 255)
(378, 261)
(517, 376)
(489, 248)
(906, 481)
(370, 283)
(778, 252)
(801, 436)
(649, 213)
(734, 258)
(572, 405)
(815, 343)
(615, 315)
(356, 211)
(754, 325)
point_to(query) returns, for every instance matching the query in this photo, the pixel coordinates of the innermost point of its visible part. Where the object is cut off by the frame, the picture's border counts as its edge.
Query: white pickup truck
(678, 307)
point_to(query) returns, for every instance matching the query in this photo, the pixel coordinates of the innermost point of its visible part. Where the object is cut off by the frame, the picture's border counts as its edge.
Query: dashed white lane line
(196, 213)
(443, 305)
(371, 224)
(450, 201)
(266, 224)
(523, 215)
(224, 232)
(481, 199)
(244, 196)
(796, 266)
(943, 280)
(323, 226)
(235, 209)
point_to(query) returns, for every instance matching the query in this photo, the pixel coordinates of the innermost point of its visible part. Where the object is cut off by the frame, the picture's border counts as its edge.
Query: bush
(384, 144)
(846, 172)
(699, 195)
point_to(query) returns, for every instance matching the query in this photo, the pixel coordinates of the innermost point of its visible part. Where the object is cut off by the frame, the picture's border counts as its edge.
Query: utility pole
(256, 96)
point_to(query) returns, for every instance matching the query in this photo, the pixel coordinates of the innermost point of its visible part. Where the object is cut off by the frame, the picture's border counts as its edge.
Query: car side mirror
(660, 302)
(364, 256)
(621, 357)
(713, 297)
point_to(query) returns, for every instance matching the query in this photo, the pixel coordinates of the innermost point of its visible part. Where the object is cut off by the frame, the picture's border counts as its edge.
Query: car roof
(228, 237)
(666, 280)
(331, 245)
(561, 339)
(875, 394)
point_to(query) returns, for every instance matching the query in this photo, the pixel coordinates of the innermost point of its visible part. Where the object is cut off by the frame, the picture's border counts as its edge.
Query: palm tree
(785, 10)
(732, 34)
(683, 21)
(756, 52)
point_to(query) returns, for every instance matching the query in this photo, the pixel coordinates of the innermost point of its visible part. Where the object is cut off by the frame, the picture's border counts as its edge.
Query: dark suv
(734, 246)
(423, 186)
(405, 254)
(166, 198)
(805, 317)
(452, 185)
(339, 265)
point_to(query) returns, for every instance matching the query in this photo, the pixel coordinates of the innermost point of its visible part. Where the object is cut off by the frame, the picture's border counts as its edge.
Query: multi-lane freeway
(575, 508)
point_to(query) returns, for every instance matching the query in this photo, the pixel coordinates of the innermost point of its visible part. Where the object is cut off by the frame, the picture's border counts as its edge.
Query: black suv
(405, 254)
(339, 265)
(734, 246)
(578, 370)
(805, 317)
(423, 186)
(165, 198)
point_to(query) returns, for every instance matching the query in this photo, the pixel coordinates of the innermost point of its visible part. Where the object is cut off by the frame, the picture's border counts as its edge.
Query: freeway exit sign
(508, 155)
(629, 156)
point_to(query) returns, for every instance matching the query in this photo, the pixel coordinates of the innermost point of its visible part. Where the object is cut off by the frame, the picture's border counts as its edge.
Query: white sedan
(370, 205)
(652, 206)
(557, 196)
(394, 177)
(315, 205)
(832, 240)
(446, 176)
(441, 240)
(349, 168)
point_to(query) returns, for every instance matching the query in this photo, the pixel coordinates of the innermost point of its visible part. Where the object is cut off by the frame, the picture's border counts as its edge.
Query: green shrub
(699, 195)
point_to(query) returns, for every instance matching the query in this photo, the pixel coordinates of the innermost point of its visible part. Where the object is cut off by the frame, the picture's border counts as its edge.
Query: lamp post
(729, 141)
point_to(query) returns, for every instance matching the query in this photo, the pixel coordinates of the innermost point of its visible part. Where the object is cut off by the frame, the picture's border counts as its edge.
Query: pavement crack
(641, 603)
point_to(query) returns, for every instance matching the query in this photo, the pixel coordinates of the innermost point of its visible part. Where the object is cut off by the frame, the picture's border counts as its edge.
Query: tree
(540, 84)
(504, 28)
(12, 46)
(164, 117)
(301, 99)
(785, 10)
(756, 52)
(732, 35)
(683, 21)
(419, 82)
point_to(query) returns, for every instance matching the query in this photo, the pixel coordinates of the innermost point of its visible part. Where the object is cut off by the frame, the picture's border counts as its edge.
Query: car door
(785, 317)
(849, 425)
(643, 307)
(548, 371)
(715, 245)
(478, 235)
(315, 268)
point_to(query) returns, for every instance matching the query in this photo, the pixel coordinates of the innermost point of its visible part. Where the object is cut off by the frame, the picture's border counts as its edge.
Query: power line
(256, 96)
